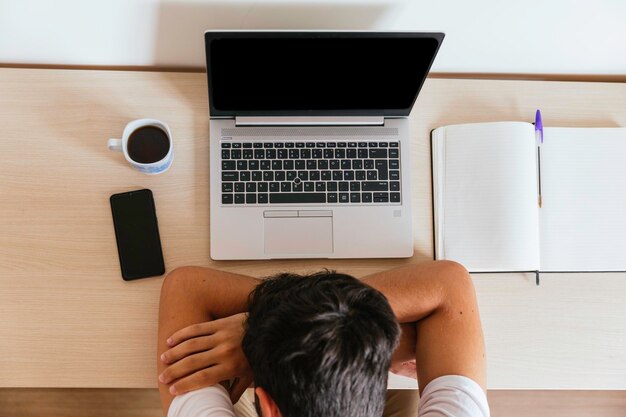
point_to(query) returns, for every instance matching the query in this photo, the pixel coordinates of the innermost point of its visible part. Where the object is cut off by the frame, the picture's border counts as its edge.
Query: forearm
(439, 298)
(193, 295)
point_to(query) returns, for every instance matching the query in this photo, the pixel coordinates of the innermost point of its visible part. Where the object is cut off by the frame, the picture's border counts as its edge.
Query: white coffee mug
(121, 145)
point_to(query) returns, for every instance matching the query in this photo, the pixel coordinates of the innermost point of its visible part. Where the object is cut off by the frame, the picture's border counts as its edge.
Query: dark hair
(321, 345)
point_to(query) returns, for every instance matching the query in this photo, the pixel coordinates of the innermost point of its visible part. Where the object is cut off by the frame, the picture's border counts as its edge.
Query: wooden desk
(68, 320)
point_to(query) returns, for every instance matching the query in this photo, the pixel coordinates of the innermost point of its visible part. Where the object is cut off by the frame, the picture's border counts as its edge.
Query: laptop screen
(317, 73)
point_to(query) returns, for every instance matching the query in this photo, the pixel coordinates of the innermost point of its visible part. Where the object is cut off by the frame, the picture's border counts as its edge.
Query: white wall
(529, 36)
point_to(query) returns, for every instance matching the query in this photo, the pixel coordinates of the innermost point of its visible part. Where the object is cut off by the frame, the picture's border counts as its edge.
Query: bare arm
(193, 295)
(439, 298)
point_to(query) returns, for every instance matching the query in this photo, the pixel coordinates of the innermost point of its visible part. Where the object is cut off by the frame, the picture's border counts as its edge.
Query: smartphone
(137, 234)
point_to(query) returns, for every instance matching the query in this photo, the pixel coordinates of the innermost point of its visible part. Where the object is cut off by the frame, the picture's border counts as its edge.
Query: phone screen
(137, 234)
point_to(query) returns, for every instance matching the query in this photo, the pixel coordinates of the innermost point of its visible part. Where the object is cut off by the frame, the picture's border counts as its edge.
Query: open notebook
(485, 192)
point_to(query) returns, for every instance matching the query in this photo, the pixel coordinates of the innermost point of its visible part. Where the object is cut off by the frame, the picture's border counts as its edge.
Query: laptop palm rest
(304, 232)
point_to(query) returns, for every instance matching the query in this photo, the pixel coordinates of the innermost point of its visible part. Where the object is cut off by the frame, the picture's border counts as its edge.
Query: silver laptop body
(307, 158)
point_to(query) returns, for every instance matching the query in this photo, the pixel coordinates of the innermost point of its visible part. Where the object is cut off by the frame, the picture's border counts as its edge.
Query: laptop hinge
(310, 121)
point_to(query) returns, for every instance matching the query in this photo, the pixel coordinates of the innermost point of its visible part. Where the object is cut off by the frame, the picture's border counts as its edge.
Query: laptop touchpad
(298, 235)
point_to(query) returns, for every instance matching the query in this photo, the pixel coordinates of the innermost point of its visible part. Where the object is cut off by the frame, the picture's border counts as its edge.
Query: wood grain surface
(69, 320)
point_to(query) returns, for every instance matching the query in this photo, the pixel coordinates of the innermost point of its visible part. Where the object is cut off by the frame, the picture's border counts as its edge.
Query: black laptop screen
(311, 73)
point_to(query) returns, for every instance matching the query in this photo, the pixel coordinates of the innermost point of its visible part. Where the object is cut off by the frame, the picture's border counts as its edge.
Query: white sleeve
(206, 402)
(453, 396)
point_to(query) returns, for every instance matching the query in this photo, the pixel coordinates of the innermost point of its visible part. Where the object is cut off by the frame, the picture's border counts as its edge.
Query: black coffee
(148, 144)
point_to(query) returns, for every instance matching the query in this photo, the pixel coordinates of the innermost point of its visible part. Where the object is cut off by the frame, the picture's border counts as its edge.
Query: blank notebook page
(583, 218)
(486, 192)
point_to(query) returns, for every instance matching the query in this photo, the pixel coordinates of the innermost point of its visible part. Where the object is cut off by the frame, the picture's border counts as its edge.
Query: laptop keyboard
(310, 172)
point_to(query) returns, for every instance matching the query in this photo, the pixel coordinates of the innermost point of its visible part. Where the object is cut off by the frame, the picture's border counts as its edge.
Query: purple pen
(538, 127)
(539, 139)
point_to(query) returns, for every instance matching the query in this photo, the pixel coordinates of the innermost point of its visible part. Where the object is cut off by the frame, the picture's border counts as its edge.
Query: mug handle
(115, 145)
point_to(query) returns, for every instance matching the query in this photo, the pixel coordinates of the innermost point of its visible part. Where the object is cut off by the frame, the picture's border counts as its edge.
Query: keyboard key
(393, 153)
(268, 145)
(393, 144)
(257, 145)
(253, 165)
(381, 197)
(277, 165)
(280, 176)
(357, 164)
(334, 164)
(394, 186)
(329, 153)
(348, 175)
(355, 186)
(394, 197)
(236, 145)
(250, 198)
(363, 153)
(394, 175)
(346, 164)
(344, 186)
(279, 145)
(227, 187)
(374, 186)
(351, 144)
(240, 187)
(372, 144)
(289, 144)
(262, 198)
(305, 153)
(320, 186)
(311, 164)
(326, 175)
(351, 153)
(321, 144)
(372, 175)
(242, 165)
(285, 187)
(244, 176)
(378, 153)
(368, 164)
(381, 166)
(342, 144)
(317, 153)
(297, 186)
(274, 187)
(314, 175)
(332, 197)
(235, 154)
(394, 164)
(382, 144)
(331, 144)
(337, 175)
(366, 197)
(251, 187)
(355, 197)
(230, 176)
(282, 153)
(247, 153)
(303, 175)
(299, 144)
(297, 198)
(300, 164)
(229, 166)
(225, 154)
(240, 198)
(265, 165)
(360, 175)
(340, 153)
(268, 176)
(225, 145)
(259, 154)
(344, 197)
(331, 186)
(291, 175)
(288, 164)
(227, 199)
(309, 186)
(262, 187)
(257, 176)
(310, 144)
(270, 153)
(362, 144)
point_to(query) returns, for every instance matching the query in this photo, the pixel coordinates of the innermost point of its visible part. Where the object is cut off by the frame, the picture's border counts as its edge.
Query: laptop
(310, 149)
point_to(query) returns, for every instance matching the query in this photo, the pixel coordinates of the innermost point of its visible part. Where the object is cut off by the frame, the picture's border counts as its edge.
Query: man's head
(321, 345)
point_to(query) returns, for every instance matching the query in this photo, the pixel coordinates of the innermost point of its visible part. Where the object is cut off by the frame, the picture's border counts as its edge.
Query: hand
(206, 354)
(403, 360)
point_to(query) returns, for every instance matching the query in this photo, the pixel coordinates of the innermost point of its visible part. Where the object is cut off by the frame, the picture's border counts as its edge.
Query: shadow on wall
(181, 25)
